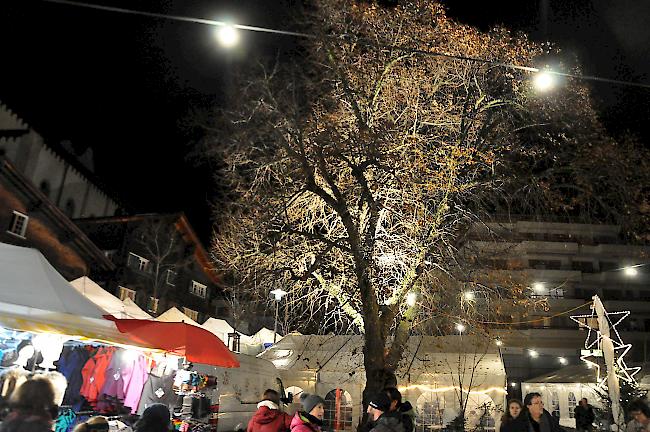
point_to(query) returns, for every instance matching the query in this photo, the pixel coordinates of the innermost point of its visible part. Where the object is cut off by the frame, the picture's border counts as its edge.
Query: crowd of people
(530, 416)
(34, 410)
(386, 413)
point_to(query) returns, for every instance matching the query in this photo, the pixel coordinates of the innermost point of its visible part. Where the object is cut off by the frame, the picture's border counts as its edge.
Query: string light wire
(345, 38)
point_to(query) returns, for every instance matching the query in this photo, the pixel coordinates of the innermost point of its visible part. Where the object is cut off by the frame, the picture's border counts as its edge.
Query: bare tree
(354, 171)
(168, 255)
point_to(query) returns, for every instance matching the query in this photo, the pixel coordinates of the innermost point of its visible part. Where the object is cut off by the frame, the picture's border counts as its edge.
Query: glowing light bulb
(543, 81)
(228, 35)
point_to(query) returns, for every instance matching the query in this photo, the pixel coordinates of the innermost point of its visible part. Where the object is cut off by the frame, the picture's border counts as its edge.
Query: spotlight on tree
(411, 298)
(460, 327)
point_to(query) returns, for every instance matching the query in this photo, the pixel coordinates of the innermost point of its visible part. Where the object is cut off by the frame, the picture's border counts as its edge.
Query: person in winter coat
(515, 408)
(584, 415)
(378, 407)
(535, 418)
(32, 407)
(403, 411)
(155, 418)
(640, 413)
(310, 418)
(268, 417)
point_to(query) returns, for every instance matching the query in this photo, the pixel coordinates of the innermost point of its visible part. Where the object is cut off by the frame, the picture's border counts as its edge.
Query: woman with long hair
(515, 407)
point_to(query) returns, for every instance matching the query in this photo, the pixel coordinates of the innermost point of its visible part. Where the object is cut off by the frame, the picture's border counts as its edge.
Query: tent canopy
(264, 336)
(174, 315)
(134, 311)
(106, 301)
(29, 280)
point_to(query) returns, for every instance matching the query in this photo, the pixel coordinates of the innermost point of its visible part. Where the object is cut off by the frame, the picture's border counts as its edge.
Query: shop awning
(194, 343)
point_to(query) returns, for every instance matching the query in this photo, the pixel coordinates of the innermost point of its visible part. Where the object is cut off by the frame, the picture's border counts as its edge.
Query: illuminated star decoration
(594, 340)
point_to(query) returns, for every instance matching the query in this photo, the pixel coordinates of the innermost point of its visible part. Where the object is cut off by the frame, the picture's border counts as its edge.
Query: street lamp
(227, 35)
(543, 81)
(277, 293)
(630, 271)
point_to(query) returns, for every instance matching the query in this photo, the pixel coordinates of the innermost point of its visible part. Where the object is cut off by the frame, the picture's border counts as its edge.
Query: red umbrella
(194, 343)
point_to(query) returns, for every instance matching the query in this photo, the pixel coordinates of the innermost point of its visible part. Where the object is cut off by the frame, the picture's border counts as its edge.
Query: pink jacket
(301, 424)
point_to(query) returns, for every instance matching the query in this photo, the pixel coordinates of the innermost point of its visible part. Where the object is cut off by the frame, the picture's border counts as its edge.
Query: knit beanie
(381, 402)
(309, 401)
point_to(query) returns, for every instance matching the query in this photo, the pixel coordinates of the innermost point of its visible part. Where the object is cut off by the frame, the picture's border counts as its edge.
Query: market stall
(97, 362)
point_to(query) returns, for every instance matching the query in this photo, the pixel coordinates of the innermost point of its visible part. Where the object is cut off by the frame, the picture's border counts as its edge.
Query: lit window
(572, 404)
(338, 410)
(18, 224)
(555, 405)
(171, 277)
(192, 314)
(137, 262)
(430, 408)
(198, 289)
(153, 304)
(126, 293)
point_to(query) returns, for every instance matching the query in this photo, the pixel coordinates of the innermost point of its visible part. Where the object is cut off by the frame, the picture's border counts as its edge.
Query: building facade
(28, 218)
(160, 263)
(565, 265)
(65, 178)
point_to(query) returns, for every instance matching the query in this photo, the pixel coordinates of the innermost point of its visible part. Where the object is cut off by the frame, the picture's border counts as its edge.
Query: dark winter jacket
(523, 423)
(387, 423)
(404, 414)
(19, 422)
(269, 418)
(301, 423)
(584, 416)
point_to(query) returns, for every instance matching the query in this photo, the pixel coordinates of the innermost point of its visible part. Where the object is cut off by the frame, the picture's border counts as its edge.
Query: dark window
(609, 265)
(45, 188)
(583, 266)
(69, 207)
(545, 264)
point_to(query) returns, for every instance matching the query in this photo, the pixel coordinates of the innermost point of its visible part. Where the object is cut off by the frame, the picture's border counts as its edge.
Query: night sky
(126, 86)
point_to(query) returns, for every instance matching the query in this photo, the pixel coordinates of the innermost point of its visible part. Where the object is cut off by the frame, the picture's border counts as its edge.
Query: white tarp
(35, 297)
(108, 302)
(219, 327)
(264, 336)
(28, 279)
(174, 315)
(134, 310)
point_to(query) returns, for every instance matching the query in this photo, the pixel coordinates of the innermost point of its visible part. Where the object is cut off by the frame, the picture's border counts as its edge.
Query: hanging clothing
(94, 374)
(159, 388)
(133, 384)
(70, 364)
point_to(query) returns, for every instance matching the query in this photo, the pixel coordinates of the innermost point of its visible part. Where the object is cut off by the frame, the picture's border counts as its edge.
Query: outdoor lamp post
(277, 293)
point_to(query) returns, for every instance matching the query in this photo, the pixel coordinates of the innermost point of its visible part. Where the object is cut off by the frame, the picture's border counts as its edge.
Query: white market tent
(174, 315)
(264, 336)
(219, 327)
(428, 377)
(562, 389)
(106, 301)
(35, 297)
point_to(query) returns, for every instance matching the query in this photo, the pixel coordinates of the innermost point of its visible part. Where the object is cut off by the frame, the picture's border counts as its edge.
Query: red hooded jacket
(269, 418)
